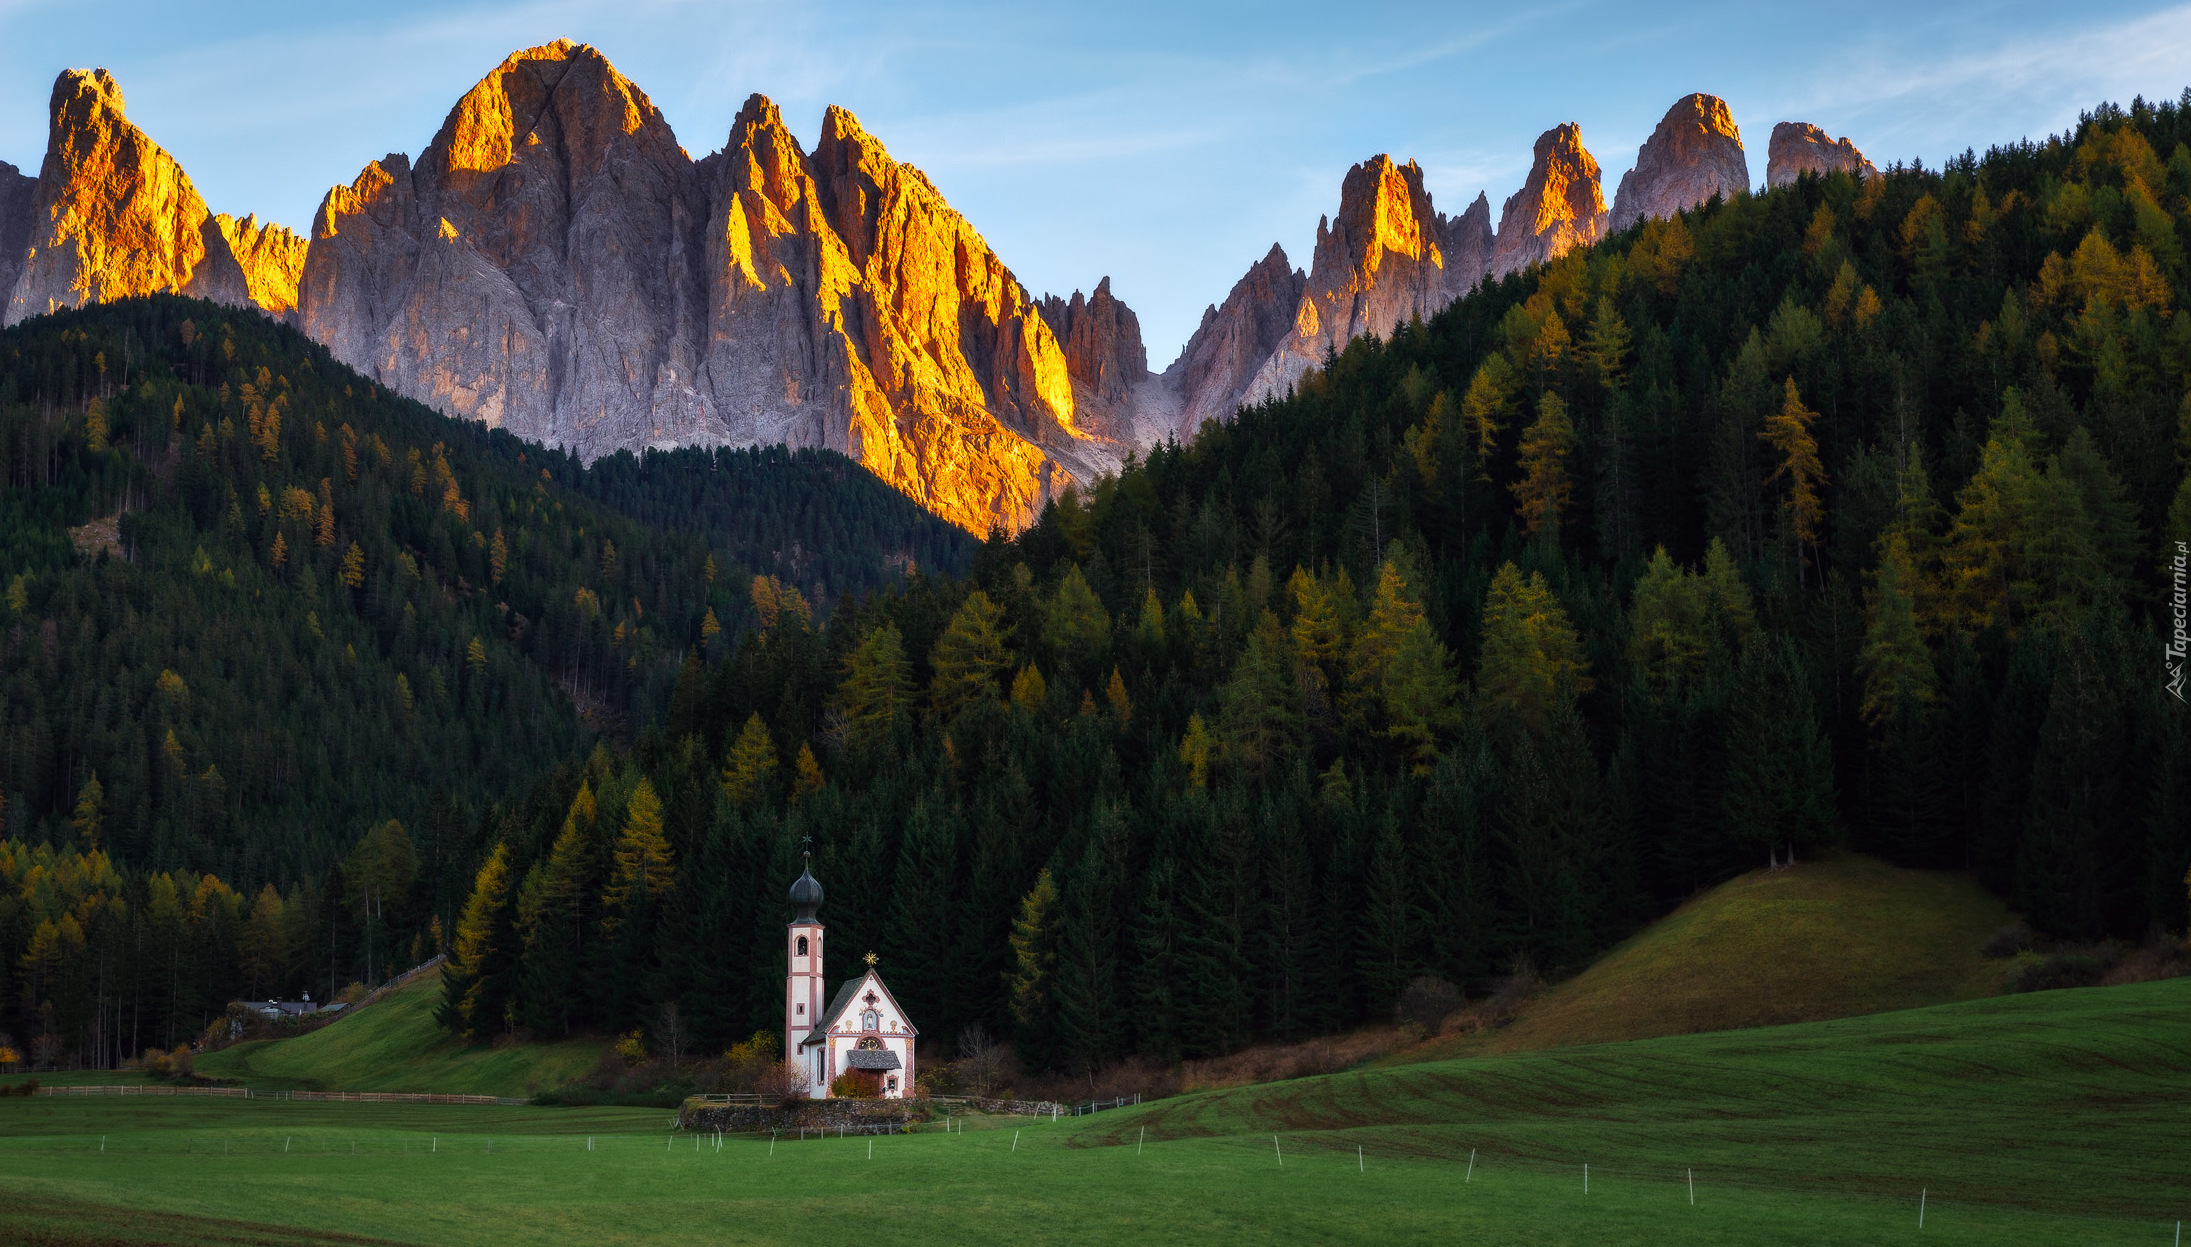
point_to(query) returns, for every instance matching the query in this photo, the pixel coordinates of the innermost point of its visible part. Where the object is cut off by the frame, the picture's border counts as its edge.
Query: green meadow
(2048, 1118)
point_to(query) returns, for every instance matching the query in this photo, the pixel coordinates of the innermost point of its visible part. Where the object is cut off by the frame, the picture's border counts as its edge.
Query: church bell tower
(803, 982)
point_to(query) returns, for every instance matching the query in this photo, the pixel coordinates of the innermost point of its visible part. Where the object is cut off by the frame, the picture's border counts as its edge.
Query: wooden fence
(245, 1093)
(240, 1093)
(390, 1097)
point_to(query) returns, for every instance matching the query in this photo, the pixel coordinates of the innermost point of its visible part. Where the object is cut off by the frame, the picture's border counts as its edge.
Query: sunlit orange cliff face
(113, 215)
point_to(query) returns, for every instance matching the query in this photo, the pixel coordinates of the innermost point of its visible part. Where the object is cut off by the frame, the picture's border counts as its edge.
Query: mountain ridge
(553, 262)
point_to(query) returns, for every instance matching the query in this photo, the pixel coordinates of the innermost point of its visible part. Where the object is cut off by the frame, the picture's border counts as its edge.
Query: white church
(861, 1029)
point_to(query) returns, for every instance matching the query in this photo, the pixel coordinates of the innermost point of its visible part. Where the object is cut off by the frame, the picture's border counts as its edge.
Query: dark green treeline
(1836, 515)
(309, 607)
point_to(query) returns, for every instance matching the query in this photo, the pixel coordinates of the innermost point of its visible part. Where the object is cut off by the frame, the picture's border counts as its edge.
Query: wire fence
(1308, 1157)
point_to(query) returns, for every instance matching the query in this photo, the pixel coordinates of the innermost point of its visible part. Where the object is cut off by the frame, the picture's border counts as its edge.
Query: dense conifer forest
(256, 607)
(1838, 515)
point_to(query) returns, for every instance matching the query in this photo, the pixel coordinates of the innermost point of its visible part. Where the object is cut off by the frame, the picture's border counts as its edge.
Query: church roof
(837, 1005)
(863, 1058)
(840, 1003)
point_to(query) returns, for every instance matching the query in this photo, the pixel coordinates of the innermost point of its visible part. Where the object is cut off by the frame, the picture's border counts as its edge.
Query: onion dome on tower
(806, 891)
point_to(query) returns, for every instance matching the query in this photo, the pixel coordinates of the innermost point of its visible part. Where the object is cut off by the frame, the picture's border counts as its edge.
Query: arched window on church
(802, 946)
(870, 1020)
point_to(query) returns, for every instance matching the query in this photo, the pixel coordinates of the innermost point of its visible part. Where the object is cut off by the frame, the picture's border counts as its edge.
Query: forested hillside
(1834, 515)
(256, 607)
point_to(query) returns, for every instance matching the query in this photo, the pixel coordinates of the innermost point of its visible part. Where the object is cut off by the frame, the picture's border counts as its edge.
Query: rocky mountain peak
(1560, 206)
(525, 271)
(764, 157)
(1694, 154)
(558, 91)
(271, 257)
(113, 214)
(1383, 210)
(1467, 242)
(1101, 337)
(1377, 266)
(1234, 339)
(1799, 147)
(554, 263)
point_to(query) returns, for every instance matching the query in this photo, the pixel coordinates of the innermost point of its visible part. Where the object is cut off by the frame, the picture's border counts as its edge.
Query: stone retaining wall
(851, 1116)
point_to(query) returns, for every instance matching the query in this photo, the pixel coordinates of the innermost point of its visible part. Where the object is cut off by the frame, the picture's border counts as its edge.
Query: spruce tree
(1541, 495)
(877, 683)
(1089, 984)
(1532, 668)
(968, 657)
(1780, 789)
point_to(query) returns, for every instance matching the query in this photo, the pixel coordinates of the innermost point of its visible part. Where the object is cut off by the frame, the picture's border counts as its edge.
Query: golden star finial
(870, 961)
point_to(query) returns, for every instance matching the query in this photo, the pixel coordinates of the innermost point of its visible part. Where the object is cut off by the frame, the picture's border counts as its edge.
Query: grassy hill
(2065, 1100)
(1837, 937)
(395, 1045)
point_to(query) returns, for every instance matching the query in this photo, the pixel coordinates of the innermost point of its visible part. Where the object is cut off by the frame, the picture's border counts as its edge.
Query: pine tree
(1319, 642)
(552, 916)
(1903, 803)
(1215, 972)
(1532, 668)
(968, 656)
(806, 774)
(642, 856)
(749, 774)
(1075, 625)
(1400, 673)
(89, 819)
(2075, 873)
(1257, 716)
(1391, 927)
(1897, 668)
(1780, 790)
(1542, 494)
(1155, 975)
(1029, 690)
(877, 683)
(1485, 407)
(1034, 964)
(1455, 867)
(1916, 524)
(1988, 578)
(1289, 949)
(1729, 596)
(476, 986)
(1606, 343)
(264, 955)
(1122, 706)
(1789, 432)
(1669, 628)
(1547, 823)
(924, 927)
(1088, 979)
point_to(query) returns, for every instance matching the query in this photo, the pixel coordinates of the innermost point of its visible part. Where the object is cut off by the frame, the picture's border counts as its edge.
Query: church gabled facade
(860, 1028)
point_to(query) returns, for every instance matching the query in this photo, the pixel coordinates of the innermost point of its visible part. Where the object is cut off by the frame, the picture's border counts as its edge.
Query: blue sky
(1167, 145)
